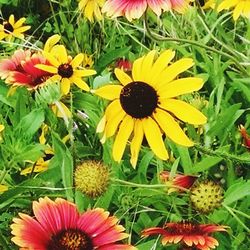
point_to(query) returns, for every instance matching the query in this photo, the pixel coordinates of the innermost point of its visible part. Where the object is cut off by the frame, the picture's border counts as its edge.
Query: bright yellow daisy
(145, 104)
(241, 7)
(10, 28)
(65, 69)
(91, 9)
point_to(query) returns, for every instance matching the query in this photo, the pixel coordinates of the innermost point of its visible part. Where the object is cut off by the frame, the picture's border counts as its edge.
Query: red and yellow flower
(58, 225)
(188, 234)
(10, 28)
(178, 182)
(134, 9)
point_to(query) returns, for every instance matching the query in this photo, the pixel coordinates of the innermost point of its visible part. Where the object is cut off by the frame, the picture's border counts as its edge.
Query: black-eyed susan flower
(206, 196)
(92, 178)
(58, 225)
(91, 9)
(134, 9)
(65, 69)
(10, 28)
(178, 182)
(188, 234)
(145, 104)
(240, 7)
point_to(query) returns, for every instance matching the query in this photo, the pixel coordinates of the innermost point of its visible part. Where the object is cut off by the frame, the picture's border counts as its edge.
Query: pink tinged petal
(19, 78)
(122, 137)
(177, 239)
(184, 181)
(153, 231)
(47, 214)
(77, 60)
(181, 86)
(171, 128)
(188, 240)
(109, 236)
(91, 220)
(136, 142)
(29, 233)
(110, 222)
(211, 242)
(154, 138)
(135, 9)
(109, 92)
(115, 8)
(117, 247)
(170, 239)
(183, 111)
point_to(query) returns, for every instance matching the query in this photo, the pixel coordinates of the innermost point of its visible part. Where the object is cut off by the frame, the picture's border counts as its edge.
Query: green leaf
(109, 57)
(206, 163)
(64, 156)
(237, 192)
(30, 123)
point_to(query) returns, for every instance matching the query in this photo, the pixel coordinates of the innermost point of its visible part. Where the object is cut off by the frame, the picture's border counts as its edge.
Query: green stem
(160, 38)
(240, 213)
(236, 217)
(221, 154)
(2, 176)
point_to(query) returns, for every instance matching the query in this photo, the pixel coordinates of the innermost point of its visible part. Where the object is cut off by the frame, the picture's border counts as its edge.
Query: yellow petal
(171, 128)
(184, 111)
(238, 10)
(47, 68)
(173, 70)
(154, 138)
(122, 137)
(137, 69)
(136, 142)
(160, 64)
(21, 29)
(113, 123)
(147, 65)
(181, 86)
(62, 54)
(3, 188)
(77, 60)
(51, 59)
(51, 42)
(19, 23)
(109, 92)
(123, 78)
(101, 125)
(1, 127)
(12, 20)
(80, 83)
(227, 4)
(65, 86)
(89, 10)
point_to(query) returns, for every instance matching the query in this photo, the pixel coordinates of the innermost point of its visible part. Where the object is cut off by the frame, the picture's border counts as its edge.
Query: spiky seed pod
(92, 178)
(206, 196)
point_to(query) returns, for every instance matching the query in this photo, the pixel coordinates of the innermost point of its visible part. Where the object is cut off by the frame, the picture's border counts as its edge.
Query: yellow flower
(145, 104)
(3, 188)
(241, 7)
(10, 28)
(91, 9)
(65, 69)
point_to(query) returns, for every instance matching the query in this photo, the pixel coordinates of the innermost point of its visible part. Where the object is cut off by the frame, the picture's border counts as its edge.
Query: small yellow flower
(10, 28)
(91, 9)
(1, 129)
(65, 69)
(3, 188)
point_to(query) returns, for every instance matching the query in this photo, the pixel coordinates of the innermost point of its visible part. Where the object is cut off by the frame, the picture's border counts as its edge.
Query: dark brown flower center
(41, 79)
(183, 228)
(8, 28)
(70, 239)
(65, 70)
(138, 99)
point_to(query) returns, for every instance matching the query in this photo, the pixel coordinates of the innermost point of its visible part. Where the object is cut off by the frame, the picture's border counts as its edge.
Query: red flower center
(138, 99)
(184, 228)
(8, 28)
(41, 79)
(65, 70)
(70, 239)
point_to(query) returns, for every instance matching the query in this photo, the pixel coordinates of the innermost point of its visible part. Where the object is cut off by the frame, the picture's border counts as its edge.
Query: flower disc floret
(70, 239)
(138, 99)
(65, 70)
(8, 28)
